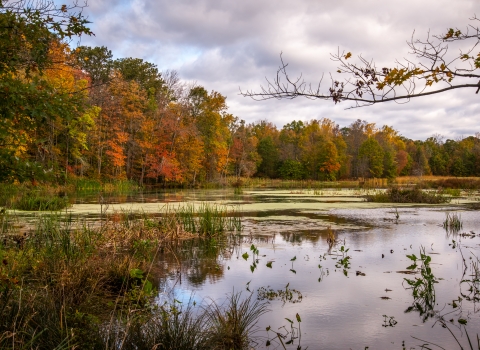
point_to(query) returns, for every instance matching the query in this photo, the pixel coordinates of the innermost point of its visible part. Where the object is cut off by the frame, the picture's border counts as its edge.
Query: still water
(353, 306)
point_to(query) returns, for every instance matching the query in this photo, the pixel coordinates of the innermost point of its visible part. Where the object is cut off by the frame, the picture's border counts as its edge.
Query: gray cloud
(225, 45)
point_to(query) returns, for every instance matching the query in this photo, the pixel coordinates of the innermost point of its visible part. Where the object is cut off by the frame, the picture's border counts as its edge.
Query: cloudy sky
(227, 45)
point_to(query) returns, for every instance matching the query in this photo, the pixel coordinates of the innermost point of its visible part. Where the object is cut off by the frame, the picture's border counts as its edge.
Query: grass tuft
(453, 222)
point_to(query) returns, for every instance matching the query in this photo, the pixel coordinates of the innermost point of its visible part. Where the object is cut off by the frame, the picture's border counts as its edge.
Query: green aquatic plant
(291, 334)
(423, 287)
(342, 259)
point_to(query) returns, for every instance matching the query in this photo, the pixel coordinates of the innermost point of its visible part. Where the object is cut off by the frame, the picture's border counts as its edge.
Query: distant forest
(101, 118)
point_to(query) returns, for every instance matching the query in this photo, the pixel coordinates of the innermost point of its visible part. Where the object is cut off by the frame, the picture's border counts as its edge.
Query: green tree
(268, 152)
(292, 170)
(97, 62)
(144, 73)
(373, 155)
(389, 165)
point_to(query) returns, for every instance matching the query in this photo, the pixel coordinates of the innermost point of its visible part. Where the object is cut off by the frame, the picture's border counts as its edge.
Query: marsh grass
(72, 285)
(37, 202)
(40, 198)
(171, 326)
(256, 182)
(63, 276)
(453, 222)
(406, 195)
(331, 239)
(83, 185)
(471, 183)
(233, 324)
(206, 220)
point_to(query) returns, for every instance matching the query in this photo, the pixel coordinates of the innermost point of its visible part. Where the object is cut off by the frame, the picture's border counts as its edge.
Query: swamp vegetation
(66, 284)
(224, 269)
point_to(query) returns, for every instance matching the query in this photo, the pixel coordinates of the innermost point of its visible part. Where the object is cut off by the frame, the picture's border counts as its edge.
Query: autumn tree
(27, 32)
(243, 154)
(319, 153)
(212, 120)
(355, 135)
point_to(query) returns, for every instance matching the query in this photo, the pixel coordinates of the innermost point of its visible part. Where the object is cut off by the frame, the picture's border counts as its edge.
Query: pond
(351, 295)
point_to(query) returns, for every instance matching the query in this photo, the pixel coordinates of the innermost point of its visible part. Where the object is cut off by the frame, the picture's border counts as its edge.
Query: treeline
(70, 113)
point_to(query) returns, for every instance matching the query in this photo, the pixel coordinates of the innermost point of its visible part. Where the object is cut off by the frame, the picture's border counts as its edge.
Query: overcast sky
(225, 45)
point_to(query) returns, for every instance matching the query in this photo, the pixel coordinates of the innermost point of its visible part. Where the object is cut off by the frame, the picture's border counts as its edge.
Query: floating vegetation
(453, 222)
(287, 295)
(399, 195)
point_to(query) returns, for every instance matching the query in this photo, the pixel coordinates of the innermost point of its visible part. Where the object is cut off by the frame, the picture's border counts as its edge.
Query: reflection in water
(339, 312)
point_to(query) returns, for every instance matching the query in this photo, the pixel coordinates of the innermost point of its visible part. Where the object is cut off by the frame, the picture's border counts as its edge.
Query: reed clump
(331, 238)
(407, 195)
(453, 222)
(206, 220)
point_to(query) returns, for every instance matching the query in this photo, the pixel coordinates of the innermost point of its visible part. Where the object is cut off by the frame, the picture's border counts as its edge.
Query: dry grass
(331, 239)
(438, 181)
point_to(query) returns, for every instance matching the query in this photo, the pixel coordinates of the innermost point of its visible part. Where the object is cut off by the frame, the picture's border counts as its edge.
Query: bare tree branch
(434, 69)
